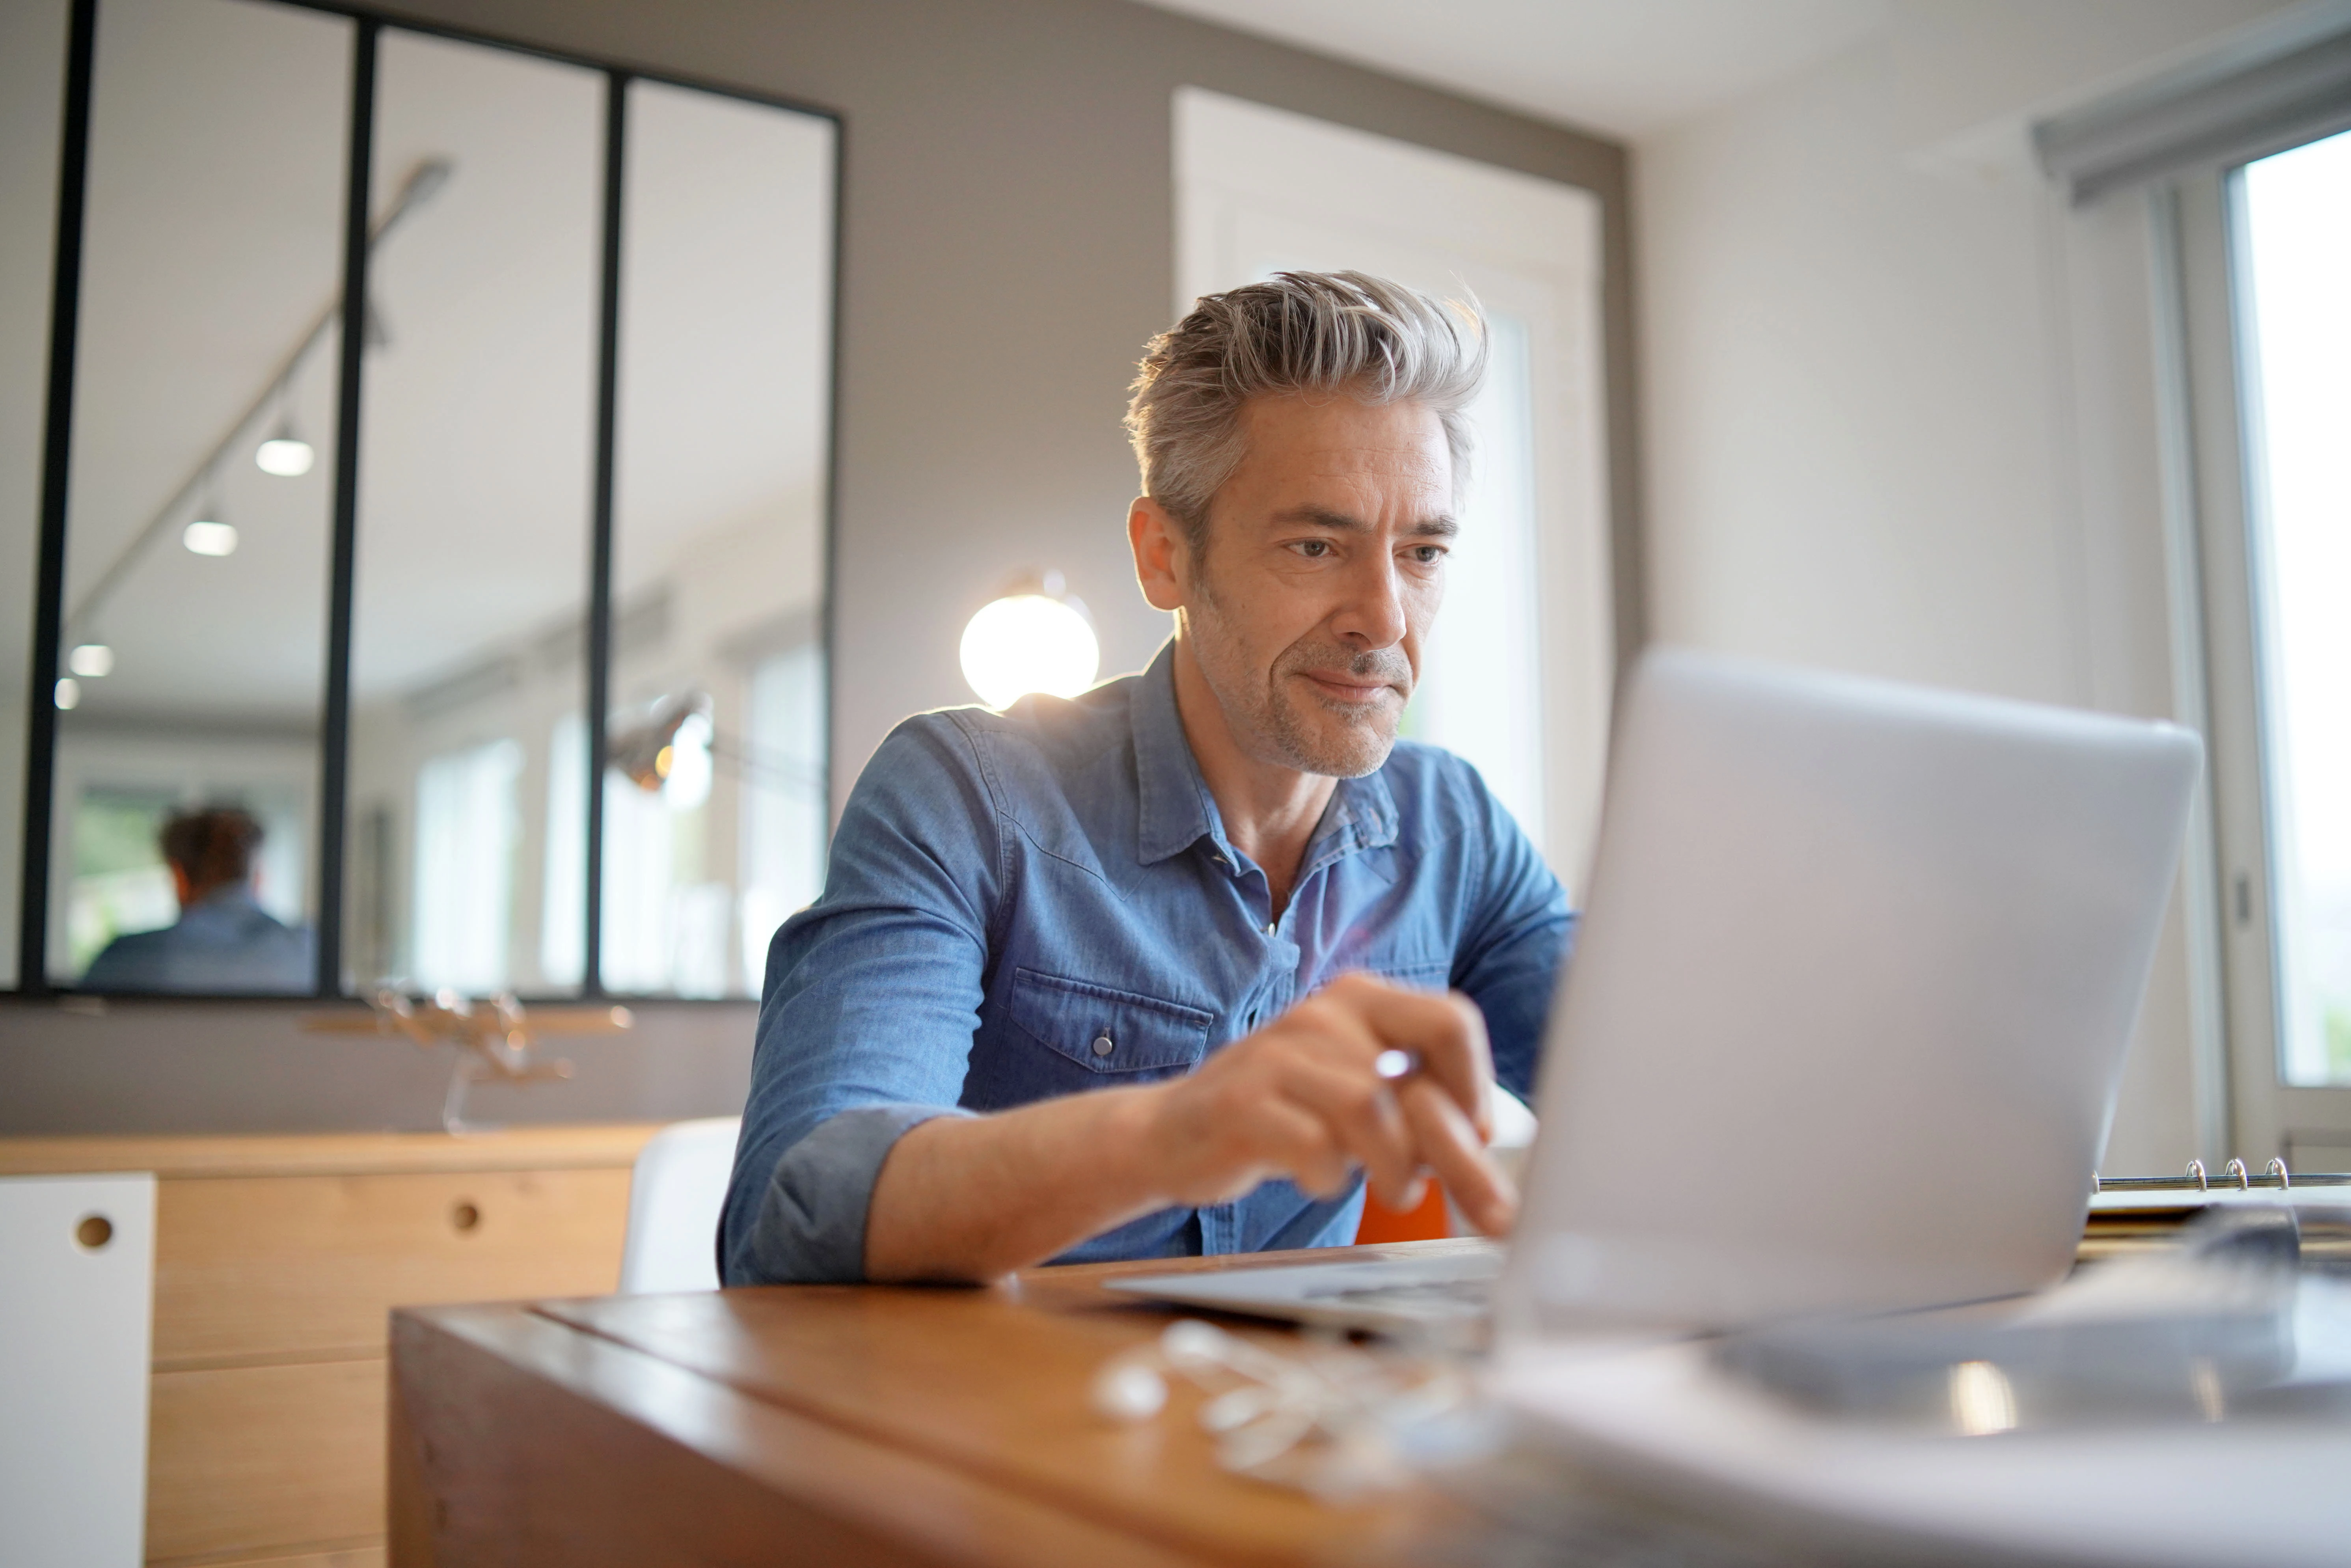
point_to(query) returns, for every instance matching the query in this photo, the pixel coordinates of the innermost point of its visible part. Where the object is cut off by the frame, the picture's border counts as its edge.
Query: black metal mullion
(599, 555)
(335, 722)
(56, 458)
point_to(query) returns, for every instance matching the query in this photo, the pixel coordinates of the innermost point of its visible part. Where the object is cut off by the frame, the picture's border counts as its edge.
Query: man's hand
(1304, 1098)
(972, 1198)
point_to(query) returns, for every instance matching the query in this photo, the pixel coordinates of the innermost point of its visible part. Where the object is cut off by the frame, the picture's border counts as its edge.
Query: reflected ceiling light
(1034, 637)
(68, 691)
(93, 659)
(286, 454)
(207, 537)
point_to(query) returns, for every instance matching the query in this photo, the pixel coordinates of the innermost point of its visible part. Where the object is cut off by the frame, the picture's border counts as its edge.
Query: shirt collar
(1176, 812)
(1175, 809)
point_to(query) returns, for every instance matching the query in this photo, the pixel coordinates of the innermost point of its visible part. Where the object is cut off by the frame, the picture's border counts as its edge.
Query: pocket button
(1102, 1046)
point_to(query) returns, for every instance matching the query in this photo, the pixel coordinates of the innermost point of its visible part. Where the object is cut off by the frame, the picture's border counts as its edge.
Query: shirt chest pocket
(1108, 1030)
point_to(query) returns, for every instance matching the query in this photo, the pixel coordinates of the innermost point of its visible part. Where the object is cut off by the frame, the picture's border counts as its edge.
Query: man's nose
(1372, 615)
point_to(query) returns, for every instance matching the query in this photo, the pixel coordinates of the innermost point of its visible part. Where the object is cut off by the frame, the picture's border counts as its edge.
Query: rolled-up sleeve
(866, 1019)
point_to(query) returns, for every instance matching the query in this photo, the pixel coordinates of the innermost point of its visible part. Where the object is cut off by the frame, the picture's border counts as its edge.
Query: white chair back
(675, 1196)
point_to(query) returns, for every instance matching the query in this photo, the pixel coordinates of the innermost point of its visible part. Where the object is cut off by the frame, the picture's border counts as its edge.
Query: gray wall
(1009, 245)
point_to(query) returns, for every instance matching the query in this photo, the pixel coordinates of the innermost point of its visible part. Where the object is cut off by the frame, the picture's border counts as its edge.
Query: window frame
(37, 882)
(2198, 244)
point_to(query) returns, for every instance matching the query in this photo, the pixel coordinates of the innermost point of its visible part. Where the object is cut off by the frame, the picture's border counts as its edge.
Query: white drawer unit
(210, 1380)
(77, 1302)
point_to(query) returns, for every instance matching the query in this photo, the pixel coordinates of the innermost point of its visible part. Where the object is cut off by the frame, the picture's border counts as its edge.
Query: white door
(1519, 676)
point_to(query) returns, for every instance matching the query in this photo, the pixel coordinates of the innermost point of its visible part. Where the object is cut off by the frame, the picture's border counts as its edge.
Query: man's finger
(1366, 1120)
(1446, 1030)
(1295, 1141)
(1452, 1149)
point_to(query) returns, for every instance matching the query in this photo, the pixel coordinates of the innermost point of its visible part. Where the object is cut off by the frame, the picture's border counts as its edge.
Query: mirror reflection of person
(224, 940)
(1128, 975)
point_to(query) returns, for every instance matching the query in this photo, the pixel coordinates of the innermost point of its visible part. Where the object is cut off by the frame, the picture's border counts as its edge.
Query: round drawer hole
(464, 1216)
(94, 1231)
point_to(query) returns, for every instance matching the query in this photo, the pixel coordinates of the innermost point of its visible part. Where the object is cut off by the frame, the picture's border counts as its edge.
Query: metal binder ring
(2195, 1169)
(2277, 1168)
(2244, 1178)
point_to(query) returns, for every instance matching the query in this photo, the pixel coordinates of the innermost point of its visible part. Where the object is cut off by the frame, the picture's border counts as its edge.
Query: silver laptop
(1844, 1023)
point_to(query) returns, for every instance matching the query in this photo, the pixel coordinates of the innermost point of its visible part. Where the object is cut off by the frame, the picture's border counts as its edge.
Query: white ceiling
(1624, 67)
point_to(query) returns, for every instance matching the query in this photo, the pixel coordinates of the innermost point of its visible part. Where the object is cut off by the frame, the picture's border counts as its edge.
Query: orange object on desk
(1426, 1221)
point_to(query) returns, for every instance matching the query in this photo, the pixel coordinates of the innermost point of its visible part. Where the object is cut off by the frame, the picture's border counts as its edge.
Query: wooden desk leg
(408, 1513)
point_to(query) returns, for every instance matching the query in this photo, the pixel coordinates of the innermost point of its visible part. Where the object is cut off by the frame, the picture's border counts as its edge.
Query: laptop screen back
(1849, 1008)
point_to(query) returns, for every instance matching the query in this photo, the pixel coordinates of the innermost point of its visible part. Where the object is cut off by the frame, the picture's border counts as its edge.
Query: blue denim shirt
(1042, 901)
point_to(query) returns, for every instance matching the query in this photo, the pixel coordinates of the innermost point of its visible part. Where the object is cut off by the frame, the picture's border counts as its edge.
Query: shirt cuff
(810, 1227)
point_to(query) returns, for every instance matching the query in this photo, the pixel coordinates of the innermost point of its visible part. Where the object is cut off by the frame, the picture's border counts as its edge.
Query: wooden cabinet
(277, 1261)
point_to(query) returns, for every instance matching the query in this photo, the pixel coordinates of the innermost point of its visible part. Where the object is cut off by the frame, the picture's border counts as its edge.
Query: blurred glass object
(2295, 262)
(720, 549)
(32, 81)
(2218, 1324)
(470, 586)
(210, 274)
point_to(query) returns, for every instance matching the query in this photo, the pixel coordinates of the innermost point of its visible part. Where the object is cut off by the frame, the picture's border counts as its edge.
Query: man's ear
(1162, 557)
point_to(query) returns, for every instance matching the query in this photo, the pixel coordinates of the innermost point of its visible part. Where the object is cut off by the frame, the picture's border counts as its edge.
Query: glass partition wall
(194, 627)
(361, 602)
(471, 594)
(718, 541)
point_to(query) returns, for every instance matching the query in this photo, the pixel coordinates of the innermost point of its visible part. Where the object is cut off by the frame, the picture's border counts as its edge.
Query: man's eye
(1427, 555)
(1313, 549)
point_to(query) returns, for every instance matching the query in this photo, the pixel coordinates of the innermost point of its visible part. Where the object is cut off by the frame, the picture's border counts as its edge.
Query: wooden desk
(836, 1424)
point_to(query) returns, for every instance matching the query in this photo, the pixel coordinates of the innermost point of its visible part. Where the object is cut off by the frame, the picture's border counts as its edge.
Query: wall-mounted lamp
(678, 750)
(669, 754)
(1033, 637)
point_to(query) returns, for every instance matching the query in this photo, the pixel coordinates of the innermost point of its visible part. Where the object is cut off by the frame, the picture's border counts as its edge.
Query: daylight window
(2295, 264)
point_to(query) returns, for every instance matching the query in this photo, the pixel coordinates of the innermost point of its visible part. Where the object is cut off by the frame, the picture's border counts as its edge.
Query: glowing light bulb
(92, 659)
(284, 454)
(205, 537)
(1028, 642)
(68, 691)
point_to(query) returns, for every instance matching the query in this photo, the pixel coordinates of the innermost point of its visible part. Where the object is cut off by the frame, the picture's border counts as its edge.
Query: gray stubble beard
(1276, 724)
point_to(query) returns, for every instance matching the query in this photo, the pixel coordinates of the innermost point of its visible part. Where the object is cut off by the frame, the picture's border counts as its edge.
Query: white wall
(1899, 414)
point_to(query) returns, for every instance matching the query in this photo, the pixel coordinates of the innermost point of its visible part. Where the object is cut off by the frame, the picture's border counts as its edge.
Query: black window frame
(334, 739)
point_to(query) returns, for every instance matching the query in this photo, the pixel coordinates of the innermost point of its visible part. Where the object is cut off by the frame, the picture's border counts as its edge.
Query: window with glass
(2294, 268)
(415, 553)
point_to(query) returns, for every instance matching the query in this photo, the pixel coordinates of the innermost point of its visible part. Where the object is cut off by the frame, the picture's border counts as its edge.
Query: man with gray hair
(1170, 967)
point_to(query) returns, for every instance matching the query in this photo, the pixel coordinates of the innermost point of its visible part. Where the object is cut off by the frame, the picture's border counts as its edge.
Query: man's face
(1323, 566)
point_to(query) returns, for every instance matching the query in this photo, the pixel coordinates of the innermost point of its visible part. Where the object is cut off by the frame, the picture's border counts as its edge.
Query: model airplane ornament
(496, 1038)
